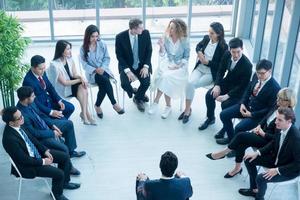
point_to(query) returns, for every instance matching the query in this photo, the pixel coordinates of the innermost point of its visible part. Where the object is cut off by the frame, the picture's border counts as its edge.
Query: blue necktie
(39, 120)
(135, 53)
(30, 144)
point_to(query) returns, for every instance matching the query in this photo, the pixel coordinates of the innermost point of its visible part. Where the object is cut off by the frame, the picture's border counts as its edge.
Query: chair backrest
(15, 166)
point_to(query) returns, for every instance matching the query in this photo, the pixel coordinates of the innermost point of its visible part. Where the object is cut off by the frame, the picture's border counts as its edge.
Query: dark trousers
(211, 103)
(60, 175)
(242, 141)
(67, 128)
(258, 181)
(126, 85)
(105, 88)
(69, 108)
(245, 124)
(57, 144)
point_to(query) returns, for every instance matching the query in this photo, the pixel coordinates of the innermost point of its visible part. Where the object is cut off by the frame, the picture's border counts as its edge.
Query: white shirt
(30, 151)
(208, 53)
(233, 63)
(262, 84)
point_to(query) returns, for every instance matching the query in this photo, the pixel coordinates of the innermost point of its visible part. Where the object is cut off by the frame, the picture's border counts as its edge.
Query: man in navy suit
(258, 99)
(47, 130)
(167, 187)
(281, 156)
(47, 98)
(134, 51)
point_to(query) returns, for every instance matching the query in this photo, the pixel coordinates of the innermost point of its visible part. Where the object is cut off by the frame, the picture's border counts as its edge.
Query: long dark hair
(60, 47)
(86, 40)
(219, 29)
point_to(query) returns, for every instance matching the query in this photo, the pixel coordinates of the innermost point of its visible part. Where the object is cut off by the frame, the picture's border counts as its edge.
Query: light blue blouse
(95, 59)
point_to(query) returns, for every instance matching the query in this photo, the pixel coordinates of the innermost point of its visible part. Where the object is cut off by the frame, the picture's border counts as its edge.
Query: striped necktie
(30, 144)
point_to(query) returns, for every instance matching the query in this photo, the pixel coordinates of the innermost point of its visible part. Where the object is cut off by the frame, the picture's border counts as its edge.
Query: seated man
(259, 98)
(167, 187)
(47, 130)
(228, 89)
(281, 156)
(47, 99)
(32, 158)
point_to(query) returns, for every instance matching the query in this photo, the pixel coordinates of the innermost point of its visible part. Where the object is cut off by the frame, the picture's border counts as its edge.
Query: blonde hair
(287, 94)
(181, 28)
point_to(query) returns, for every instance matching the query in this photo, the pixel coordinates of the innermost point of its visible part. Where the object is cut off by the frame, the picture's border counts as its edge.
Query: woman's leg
(82, 97)
(168, 100)
(197, 79)
(158, 95)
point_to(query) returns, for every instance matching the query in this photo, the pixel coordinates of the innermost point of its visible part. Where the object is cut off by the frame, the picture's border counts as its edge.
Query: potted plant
(12, 47)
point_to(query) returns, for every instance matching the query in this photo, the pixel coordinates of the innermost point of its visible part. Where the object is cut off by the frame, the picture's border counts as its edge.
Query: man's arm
(120, 54)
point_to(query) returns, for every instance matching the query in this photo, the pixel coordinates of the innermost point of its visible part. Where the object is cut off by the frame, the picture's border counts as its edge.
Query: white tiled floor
(123, 145)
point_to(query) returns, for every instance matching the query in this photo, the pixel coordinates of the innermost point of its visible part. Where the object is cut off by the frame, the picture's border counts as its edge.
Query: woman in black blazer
(258, 137)
(209, 52)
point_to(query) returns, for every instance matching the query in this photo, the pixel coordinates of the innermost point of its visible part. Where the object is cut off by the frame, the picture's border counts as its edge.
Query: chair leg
(123, 100)
(91, 103)
(48, 186)
(20, 186)
(117, 93)
(181, 103)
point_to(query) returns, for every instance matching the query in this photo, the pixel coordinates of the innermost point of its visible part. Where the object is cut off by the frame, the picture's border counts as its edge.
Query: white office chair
(21, 178)
(295, 181)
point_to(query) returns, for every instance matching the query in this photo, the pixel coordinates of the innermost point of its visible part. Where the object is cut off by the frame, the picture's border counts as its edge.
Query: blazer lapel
(284, 144)
(19, 138)
(127, 39)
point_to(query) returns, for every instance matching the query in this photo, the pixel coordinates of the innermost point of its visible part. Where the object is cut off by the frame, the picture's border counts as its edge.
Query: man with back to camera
(167, 187)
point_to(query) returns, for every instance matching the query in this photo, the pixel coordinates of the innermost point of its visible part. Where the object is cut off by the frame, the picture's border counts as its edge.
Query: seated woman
(209, 52)
(259, 136)
(95, 61)
(66, 81)
(171, 76)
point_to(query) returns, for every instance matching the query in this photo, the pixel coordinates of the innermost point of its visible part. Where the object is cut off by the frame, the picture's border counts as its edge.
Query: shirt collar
(166, 178)
(37, 76)
(236, 60)
(215, 44)
(16, 128)
(265, 81)
(285, 131)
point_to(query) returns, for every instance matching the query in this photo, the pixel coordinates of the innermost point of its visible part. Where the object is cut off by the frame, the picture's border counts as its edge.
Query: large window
(295, 75)
(255, 21)
(204, 12)
(285, 24)
(72, 17)
(268, 29)
(34, 16)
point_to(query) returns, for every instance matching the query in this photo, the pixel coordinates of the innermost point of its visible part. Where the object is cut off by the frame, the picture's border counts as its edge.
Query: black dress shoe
(61, 197)
(206, 124)
(210, 157)
(231, 154)
(146, 98)
(139, 104)
(227, 175)
(181, 116)
(186, 118)
(223, 141)
(71, 186)
(74, 171)
(247, 192)
(100, 115)
(77, 154)
(220, 134)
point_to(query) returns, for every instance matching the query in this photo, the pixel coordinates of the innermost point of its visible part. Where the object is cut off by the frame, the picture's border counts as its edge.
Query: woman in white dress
(171, 76)
(67, 82)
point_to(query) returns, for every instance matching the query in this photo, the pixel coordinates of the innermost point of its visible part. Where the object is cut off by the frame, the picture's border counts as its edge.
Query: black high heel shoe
(227, 175)
(186, 118)
(100, 115)
(210, 157)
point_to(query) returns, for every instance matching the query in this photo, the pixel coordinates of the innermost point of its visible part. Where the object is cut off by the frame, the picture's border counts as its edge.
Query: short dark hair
(288, 113)
(36, 60)
(235, 43)
(168, 164)
(24, 92)
(134, 23)
(8, 114)
(264, 64)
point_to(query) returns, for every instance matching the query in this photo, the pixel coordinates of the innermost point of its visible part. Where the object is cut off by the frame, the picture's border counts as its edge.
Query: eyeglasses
(261, 73)
(19, 118)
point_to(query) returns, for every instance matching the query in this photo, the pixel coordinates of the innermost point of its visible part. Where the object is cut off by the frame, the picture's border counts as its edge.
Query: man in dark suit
(281, 156)
(47, 130)
(32, 158)
(47, 98)
(258, 99)
(167, 187)
(134, 51)
(229, 89)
